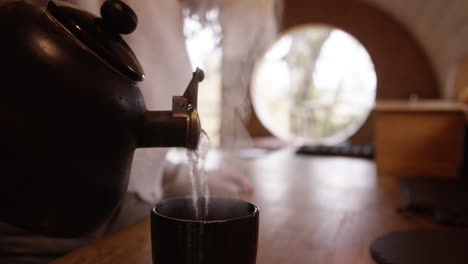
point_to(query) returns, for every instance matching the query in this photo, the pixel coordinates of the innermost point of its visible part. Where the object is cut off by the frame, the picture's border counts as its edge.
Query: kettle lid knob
(118, 17)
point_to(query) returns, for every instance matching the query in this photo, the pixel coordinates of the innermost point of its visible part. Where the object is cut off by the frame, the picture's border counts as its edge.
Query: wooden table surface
(312, 210)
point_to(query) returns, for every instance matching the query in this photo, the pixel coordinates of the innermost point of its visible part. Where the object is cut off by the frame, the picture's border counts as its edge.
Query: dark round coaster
(421, 246)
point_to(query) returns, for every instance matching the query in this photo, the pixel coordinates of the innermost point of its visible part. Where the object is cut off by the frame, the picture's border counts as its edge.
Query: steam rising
(248, 27)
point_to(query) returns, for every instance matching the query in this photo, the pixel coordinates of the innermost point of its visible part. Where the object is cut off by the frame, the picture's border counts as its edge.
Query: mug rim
(251, 215)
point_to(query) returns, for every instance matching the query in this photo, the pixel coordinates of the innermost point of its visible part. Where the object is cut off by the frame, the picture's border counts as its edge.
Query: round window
(315, 85)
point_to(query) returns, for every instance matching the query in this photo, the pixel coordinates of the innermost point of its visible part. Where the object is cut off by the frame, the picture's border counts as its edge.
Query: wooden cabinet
(419, 139)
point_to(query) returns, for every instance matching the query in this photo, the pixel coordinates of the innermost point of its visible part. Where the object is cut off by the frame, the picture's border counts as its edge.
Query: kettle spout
(179, 127)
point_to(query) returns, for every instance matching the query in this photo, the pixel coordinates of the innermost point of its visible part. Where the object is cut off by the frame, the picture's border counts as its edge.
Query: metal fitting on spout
(186, 106)
(179, 127)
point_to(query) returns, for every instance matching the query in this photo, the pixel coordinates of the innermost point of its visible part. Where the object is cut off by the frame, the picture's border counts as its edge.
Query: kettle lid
(102, 35)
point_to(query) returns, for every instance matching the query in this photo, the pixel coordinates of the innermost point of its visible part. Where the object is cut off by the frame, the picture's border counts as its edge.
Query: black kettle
(71, 115)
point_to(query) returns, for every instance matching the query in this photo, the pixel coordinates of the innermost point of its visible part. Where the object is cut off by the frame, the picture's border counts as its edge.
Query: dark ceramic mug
(228, 234)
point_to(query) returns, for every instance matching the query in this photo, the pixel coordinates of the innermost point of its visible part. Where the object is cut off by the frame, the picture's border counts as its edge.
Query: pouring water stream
(200, 189)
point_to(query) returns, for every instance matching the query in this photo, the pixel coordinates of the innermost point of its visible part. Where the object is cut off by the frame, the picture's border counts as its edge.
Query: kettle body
(70, 122)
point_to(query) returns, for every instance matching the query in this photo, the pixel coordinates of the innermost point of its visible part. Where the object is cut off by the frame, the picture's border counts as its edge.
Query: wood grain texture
(419, 141)
(460, 81)
(312, 210)
(132, 245)
(402, 66)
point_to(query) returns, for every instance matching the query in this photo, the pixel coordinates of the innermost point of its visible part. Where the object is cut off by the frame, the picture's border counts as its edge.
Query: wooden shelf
(423, 138)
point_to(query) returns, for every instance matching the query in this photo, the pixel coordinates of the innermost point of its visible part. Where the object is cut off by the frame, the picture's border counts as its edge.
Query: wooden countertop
(419, 106)
(312, 210)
